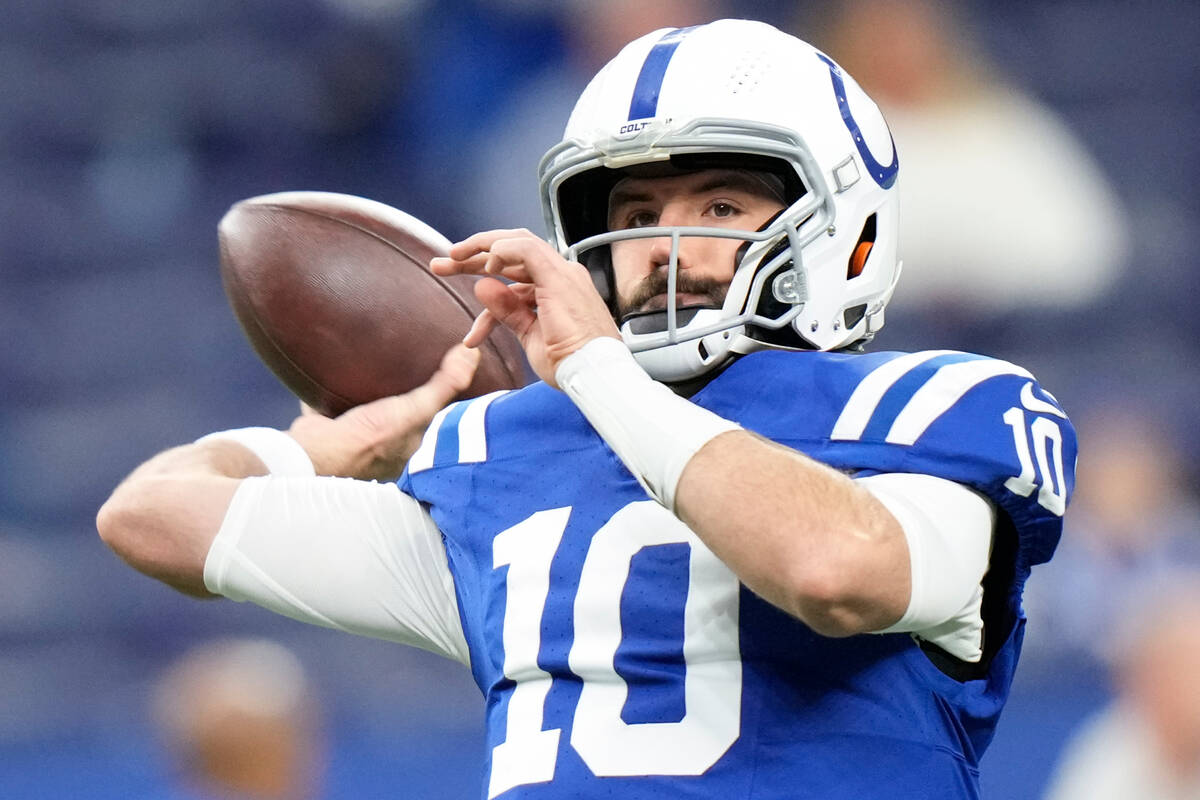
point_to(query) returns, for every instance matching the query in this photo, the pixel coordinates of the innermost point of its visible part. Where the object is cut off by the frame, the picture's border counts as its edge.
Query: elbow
(114, 522)
(130, 523)
(843, 596)
(827, 607)
(123, 523)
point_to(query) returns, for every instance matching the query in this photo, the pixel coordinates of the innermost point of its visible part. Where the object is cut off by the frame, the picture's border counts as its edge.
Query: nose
(660, 252)
(660, 247)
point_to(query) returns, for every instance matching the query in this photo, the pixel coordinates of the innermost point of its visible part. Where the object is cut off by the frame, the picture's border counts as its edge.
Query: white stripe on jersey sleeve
(472, 436)
(357, 556)
(865, 399)
(422, 459)
(941, 392)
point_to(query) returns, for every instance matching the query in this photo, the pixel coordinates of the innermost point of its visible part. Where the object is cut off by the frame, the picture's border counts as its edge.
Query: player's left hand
(551, 305)
(375, 440)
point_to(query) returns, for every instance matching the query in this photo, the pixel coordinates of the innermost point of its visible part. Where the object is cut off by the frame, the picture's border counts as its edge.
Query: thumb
(417, 406)
(452, 377)
(381, 435)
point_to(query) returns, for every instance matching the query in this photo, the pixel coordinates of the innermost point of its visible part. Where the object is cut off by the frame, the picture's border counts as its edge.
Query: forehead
(661, 188)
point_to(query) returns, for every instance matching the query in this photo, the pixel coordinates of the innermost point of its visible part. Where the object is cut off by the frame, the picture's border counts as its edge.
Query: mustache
(656, 282)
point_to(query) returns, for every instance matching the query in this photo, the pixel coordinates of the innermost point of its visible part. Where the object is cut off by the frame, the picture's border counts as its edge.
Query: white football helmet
(741, 94)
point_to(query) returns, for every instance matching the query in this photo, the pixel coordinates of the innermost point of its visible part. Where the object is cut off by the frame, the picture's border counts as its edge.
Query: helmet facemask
(768, 289)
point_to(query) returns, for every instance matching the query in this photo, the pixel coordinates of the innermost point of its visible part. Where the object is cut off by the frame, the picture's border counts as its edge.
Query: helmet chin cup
(680, 360)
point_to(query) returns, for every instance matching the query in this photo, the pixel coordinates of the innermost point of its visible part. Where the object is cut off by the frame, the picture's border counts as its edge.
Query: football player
(718, 551)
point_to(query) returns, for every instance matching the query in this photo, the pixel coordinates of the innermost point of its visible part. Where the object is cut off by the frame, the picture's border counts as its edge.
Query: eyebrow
(734, 179)
(725, 179)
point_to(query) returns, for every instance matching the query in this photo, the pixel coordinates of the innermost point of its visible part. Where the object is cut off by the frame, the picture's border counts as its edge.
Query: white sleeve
(356, 556)
(949, 531)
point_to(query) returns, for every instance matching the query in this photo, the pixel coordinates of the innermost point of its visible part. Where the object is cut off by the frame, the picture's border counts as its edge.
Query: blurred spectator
(477, 53)
(126, 131)
(1003, 207)
(501, 168)
(1133, 522)
(1147, 744)
(239, 718)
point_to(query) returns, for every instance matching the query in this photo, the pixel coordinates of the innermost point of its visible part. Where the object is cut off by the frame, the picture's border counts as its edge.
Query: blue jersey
(619, 658)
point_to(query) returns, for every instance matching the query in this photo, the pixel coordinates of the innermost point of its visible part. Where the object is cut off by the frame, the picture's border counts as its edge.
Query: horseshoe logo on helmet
(884, 175)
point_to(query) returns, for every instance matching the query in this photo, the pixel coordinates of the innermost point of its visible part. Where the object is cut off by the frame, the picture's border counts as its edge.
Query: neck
(691, 386)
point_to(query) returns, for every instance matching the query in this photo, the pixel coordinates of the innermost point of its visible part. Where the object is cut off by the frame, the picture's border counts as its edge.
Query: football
(335, 295)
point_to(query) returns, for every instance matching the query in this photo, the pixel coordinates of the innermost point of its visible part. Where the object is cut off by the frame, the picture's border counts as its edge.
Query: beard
(655, 284)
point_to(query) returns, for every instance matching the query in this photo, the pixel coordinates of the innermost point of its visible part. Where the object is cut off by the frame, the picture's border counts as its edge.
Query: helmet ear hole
(858, 256)
(853, 315)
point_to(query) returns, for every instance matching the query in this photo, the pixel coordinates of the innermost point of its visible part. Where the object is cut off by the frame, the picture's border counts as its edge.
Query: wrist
(652, 430)
(280, 453)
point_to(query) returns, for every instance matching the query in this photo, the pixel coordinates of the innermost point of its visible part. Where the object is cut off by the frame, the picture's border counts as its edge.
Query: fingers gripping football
(551, 304)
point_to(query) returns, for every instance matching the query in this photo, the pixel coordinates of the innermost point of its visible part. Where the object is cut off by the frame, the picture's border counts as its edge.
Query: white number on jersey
(1047, 445)
(606, 743)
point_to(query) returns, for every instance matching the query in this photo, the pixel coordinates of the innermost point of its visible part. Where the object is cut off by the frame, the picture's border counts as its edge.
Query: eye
(722, 210)
(641, 219)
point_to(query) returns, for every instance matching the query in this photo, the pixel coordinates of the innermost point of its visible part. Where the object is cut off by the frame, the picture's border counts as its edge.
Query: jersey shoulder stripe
(939, 394)
(898, 400)
(871, 389)
(422, 459)
(472, 435)
(456, 435)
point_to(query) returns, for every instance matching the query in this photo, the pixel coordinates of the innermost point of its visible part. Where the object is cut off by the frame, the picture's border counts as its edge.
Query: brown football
(335, 294)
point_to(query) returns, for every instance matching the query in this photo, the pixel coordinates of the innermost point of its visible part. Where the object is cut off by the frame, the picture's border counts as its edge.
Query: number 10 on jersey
(607, 744)
(1047, 442)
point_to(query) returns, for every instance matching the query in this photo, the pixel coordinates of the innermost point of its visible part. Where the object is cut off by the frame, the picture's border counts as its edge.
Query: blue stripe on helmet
(654, 68)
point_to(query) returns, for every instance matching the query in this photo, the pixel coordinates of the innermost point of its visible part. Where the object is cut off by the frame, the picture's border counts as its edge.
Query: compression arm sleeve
(651, 429)
(949, 532)
(356, 556)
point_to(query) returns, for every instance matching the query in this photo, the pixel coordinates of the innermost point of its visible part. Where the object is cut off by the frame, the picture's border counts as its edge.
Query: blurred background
(1050, 204)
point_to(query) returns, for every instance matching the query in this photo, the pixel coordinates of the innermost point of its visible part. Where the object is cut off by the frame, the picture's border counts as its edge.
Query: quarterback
(719, 550)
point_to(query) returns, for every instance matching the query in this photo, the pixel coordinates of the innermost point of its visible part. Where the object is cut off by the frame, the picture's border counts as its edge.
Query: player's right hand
(551, 304)
(375, 440)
